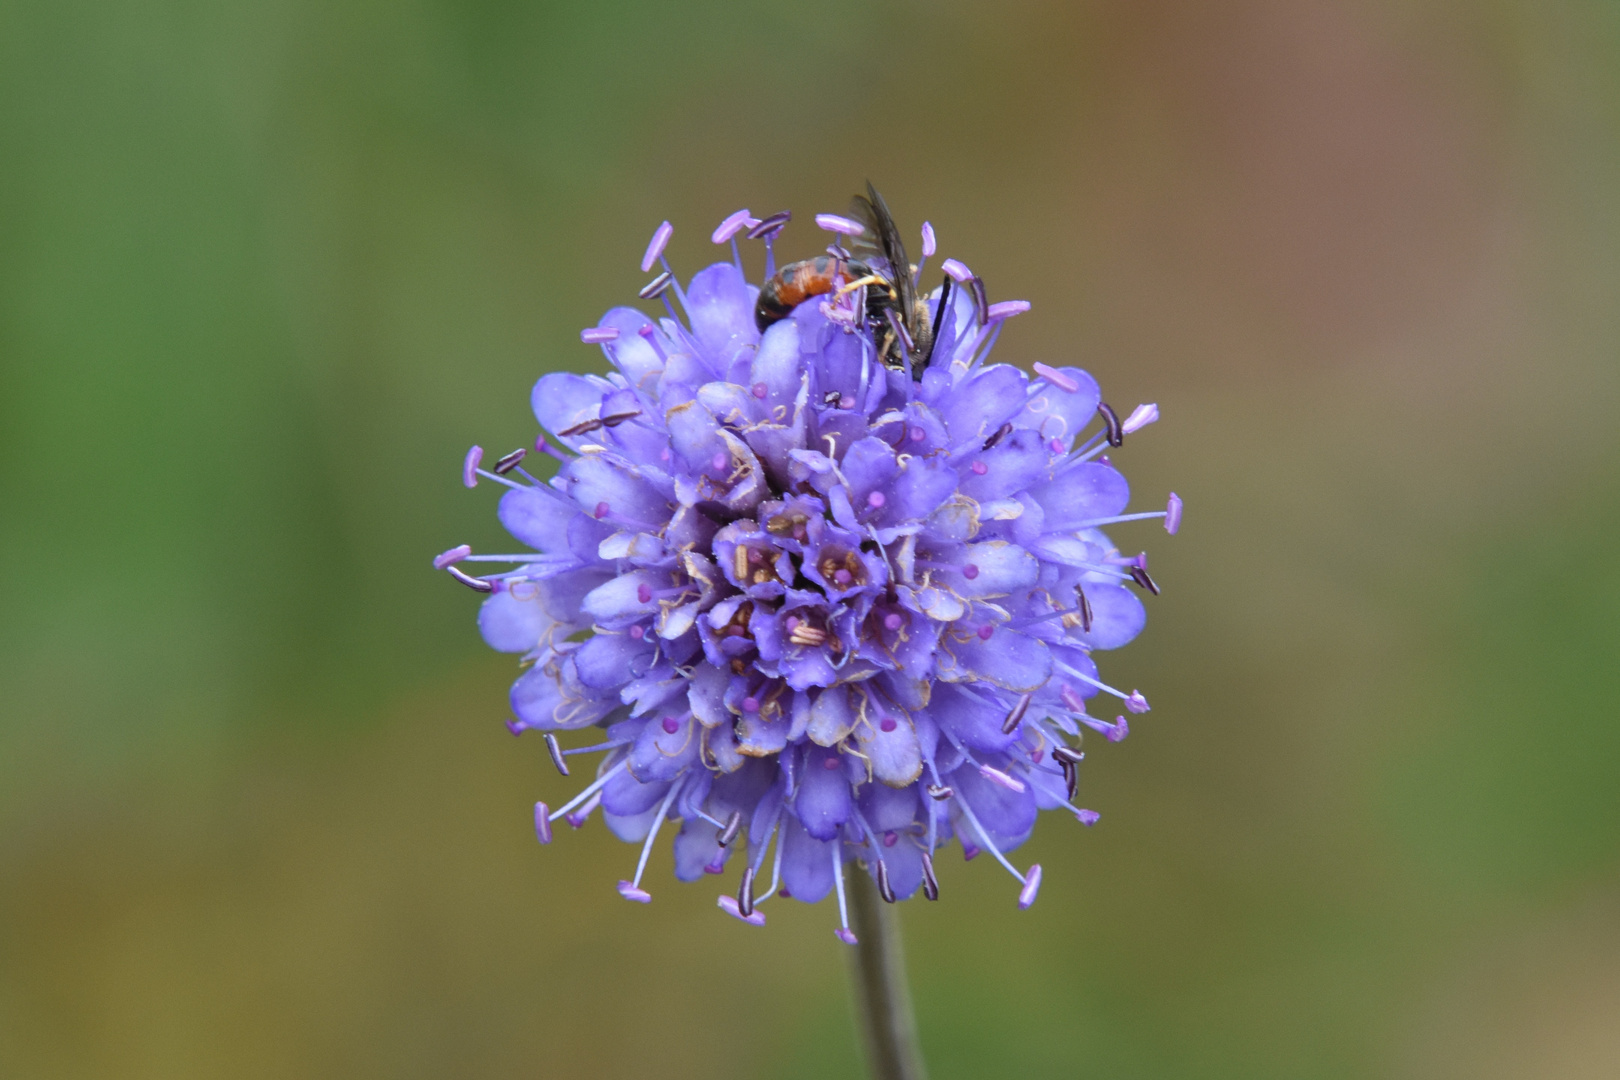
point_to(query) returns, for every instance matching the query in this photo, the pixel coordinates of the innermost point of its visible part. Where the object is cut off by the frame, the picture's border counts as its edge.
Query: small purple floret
(655, 246)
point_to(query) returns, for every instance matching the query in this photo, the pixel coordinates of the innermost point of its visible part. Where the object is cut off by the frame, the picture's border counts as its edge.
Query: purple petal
(806, 863)
(823, 801)
(1085, 492)
(513, 623)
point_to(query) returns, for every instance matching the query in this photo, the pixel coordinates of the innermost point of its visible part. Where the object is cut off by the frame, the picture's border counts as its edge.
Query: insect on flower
(827, 582)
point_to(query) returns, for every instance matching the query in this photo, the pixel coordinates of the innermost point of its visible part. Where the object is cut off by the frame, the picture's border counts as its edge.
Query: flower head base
(823, 611)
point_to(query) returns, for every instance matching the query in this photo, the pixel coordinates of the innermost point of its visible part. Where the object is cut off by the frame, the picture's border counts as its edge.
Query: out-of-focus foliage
(266, 270)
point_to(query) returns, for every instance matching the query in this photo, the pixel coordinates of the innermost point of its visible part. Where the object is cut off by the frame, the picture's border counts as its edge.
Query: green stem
(882, 996)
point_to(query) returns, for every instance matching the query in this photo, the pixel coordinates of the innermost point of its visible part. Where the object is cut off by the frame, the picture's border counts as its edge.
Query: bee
(877, 261)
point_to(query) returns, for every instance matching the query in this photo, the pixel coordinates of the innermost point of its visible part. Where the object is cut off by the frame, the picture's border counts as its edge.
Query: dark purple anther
(601, 511)
(616, 419)
(1140, 576)
(970, 571)
(542, 822)
(981, 303)
(510, 461)
(1085, 609)
(891, 838)
(1001, 433)
(671, 725)
(745, 893)
(770, 226)
(556, 753)
(1116, 436)
(657, 286)
(985, 632)
(939, 792)
(1064, 753)
(885, 890)
(888, 723)
(1016, 717)
(930, 882)
(475, 584)
(584, 427)
(733, 826)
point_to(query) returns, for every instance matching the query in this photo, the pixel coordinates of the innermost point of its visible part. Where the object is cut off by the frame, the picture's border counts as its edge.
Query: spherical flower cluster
(821, 610)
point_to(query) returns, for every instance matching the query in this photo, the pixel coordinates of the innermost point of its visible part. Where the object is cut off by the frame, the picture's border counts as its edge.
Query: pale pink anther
(891, 838)
(454, 555)
(957, 270)
(542, 822)
(876, 499)
(670, 725)
(597, 335)
(1006, 309)
(734, 224)
(888, 723)
(1032, 886)
(721, 462)
(1057, 378)
(655, 246)
(601, 510)
(846, 935)
(892, 621)
(761, 391)
(837, 223)
(985, 632)
(970, 571)
(979, 468)
(996, 776)
(1088, 818)
(728, 904)
(750, 704)
(930, 245)
(1136, 703)
(638, 632)
(1140, 417)
(1121, 728)
(469, 466)
(644, 593)
(631, 891)
(830, 763)
(1172, 514)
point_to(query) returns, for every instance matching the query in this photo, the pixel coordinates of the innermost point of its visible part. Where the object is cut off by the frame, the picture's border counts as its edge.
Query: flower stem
(882, 996)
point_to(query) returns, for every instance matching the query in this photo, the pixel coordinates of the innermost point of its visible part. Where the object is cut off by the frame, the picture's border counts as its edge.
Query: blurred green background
(266, 269)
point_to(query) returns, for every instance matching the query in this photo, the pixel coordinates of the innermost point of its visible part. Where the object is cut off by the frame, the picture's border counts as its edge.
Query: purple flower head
(822, 610)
